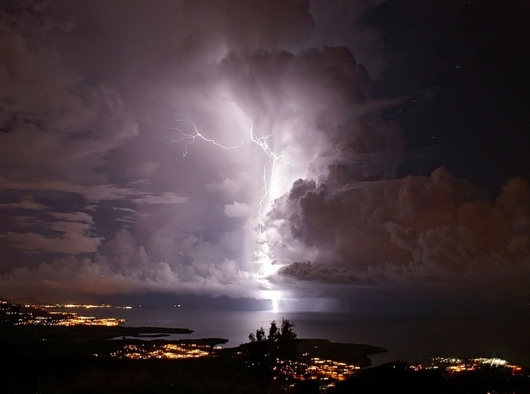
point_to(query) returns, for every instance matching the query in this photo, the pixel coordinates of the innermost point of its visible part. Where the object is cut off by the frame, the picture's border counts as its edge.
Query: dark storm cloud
(53, 124)
(315, 104)
(27, 202)
(123, 267)
(87, 90)
(342, 24)
(415, 230)
(99, 100)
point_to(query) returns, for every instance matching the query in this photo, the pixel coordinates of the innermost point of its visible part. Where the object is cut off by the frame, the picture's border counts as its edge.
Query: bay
(410, 338)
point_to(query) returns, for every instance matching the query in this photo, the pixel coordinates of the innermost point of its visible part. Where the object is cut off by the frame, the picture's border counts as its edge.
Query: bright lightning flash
(275, 297)
(274, 160)
(190, 138)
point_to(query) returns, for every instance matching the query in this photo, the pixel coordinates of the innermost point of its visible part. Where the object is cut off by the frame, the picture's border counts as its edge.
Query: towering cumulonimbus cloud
(313, 106)
(312, 109)
(99, 100)
(89, 100)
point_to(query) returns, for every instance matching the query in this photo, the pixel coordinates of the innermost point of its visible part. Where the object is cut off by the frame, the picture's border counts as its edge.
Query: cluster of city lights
(315, 368)
(26, 315)
(166, 351)
(78, 306)
(76, 320)
(69, 320)
(458, 365)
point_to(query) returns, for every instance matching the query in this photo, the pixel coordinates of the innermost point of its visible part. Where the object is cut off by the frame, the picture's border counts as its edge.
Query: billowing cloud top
(223, 148)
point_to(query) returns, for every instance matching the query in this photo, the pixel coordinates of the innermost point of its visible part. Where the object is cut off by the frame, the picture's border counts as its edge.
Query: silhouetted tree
(280, 343)
(287, 345)
(273, 331)
(259, 336)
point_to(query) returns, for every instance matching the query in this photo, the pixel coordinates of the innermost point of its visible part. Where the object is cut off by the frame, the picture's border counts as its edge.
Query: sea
(411, 338)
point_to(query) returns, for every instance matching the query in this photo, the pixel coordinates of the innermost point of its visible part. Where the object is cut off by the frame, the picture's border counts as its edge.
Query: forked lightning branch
(273, 160)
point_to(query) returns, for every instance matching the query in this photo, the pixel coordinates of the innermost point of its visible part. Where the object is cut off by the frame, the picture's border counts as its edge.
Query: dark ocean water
(505, 333)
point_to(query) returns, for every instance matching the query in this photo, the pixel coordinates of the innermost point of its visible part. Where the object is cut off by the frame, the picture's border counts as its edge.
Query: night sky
(285, 150)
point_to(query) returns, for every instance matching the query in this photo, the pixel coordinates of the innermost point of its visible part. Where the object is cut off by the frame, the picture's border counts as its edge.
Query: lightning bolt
(190, 138)
(273, 161)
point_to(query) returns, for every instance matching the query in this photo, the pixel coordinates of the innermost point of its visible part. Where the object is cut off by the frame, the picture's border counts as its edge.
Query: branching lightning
(273, 161)
(190, 138)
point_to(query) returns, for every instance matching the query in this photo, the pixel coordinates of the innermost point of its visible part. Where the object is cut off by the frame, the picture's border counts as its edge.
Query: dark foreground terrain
(398, 377)
(61, 360)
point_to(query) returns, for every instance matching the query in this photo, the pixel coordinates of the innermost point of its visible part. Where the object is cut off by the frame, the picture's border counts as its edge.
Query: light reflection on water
(409, 338)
